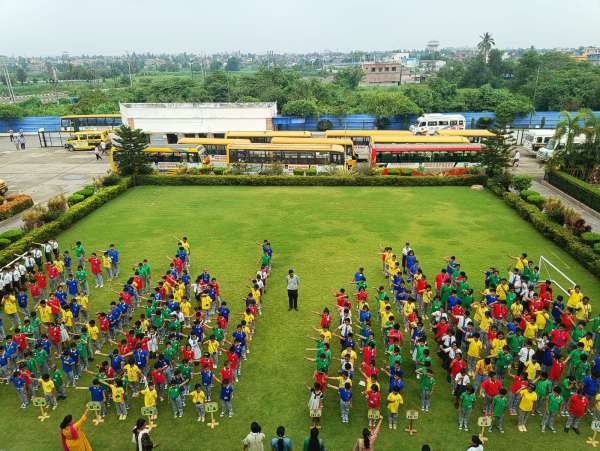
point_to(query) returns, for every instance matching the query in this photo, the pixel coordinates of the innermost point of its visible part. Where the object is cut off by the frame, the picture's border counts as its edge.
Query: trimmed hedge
(71, 216)
(319, 180)
(537, 200)
(587, 237)
(12, 235)
(557, 233)
(14, 205)
(75, 199)
(596, 248)
(4, 242)
(582, 191)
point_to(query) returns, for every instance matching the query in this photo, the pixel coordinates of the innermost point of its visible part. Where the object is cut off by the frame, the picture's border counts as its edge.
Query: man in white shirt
(293, 282)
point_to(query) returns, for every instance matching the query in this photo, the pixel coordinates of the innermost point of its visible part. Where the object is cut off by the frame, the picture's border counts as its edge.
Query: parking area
(43, 173)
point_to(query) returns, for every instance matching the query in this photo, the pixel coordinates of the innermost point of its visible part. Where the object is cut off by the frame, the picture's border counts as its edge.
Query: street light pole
(537, 77)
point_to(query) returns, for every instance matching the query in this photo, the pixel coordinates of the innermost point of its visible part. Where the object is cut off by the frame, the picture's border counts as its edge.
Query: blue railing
(542, 119)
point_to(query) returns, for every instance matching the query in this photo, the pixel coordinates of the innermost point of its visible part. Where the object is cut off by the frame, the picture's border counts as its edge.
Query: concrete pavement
(531, 166)
(44, 173)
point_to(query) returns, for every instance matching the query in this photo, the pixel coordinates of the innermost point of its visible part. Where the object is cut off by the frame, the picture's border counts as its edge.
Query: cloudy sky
(50, 27)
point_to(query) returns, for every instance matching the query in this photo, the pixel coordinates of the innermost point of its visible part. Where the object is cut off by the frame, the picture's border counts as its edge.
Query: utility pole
(11, 92)
(537, 77)
(129, 70)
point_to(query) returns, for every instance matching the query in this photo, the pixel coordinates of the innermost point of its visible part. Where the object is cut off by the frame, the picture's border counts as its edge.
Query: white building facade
(171, 120)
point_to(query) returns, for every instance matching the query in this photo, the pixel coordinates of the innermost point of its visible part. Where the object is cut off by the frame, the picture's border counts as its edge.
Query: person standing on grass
(368, 439)
(281, 442)
(254, 440)
(72, 436)
(141, 436)
(293, 281)
(313, 442)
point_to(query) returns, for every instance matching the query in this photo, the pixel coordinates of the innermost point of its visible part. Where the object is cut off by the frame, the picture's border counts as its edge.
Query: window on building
(387, 69)
(372, 69)
(394, 69)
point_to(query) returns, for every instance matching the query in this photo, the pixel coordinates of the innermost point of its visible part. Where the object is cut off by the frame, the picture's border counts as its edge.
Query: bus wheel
(70, 148)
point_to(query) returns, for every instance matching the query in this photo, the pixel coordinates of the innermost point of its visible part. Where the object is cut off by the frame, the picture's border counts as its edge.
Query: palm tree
(485, 45)
(592, 127)
(569, 127)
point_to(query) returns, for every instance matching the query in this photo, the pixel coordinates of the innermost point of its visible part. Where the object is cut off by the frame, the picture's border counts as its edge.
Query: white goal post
(545, 273)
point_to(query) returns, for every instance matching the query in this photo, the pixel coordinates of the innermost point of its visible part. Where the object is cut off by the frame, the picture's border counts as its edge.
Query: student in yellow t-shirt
(67, 317)
(94, 333)
(84, 302)
(60, 267)
(528, 399)
(575, 297)
(199, 399)
(118, 397)
(150, 396)
(498, 344)
(531, 370)
(10, 308)
(48, 390)
(584, 310)
(588, 342)
(394, 401)
(44, 312)
(186, 309)
(530, 330)
(133, 376)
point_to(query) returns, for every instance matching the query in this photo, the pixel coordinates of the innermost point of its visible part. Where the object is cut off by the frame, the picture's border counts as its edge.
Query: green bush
(580, 190)
(86, 191)
(555, 232)
(318, 180)
(4, 242)
(111, 180)
(537, 200)
(74, 199)
(50, 215)
(75, 213)
(12, 235)
(596, 248)
(527, 192)
(521, 182)
(556, 215)
(586, 237)
(219, 170)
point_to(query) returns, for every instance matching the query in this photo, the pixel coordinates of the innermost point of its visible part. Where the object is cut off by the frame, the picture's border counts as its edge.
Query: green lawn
(324, 234)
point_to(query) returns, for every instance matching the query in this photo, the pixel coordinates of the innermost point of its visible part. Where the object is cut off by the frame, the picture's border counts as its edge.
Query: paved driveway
(43, 173)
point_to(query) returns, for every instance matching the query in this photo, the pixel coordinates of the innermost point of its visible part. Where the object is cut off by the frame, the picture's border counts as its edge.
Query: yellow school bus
(166, 158)
(266, 135)
(473, 135)
(364, 137)
(256, 156)
(213, 150)
(347, 144)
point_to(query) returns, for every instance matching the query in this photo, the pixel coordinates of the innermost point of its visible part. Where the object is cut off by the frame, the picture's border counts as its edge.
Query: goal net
(550, 271)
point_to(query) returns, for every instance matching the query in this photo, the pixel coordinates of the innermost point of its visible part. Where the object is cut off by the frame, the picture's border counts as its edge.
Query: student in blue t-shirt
(22, 301)
(68, 363)
(345, 394)
(72, 285)
(226, 397)
(18, 382)
(113, 253)
(97, 395)
(68, 262)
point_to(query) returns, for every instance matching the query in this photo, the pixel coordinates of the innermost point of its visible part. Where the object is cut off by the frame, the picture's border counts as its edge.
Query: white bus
(545, 153)
(535, 139)
(428, 124)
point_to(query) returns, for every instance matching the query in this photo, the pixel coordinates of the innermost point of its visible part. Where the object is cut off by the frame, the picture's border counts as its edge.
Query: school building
(166, 122)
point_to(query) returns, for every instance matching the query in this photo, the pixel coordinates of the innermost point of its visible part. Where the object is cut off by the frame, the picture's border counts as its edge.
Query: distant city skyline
(111, 27)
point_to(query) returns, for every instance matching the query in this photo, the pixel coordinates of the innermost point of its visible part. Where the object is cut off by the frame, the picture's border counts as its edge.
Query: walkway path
(532, 167)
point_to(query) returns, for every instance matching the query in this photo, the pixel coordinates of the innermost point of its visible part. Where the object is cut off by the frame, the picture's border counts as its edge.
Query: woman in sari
(71, 435)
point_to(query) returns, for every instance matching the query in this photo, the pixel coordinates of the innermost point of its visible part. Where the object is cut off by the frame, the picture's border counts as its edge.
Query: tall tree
(349, 77)
(132, 160)
(485, 45)
(233, 64)
(497, 153)
(21, 74)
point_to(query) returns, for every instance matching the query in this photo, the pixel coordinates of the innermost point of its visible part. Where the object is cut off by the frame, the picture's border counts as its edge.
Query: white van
(428, 124)
(535, 139)
(546, 152)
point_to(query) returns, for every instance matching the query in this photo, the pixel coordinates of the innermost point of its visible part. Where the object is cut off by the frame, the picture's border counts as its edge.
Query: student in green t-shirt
(465, 407)
(543, 387)
(81, 276)
(553, 403)
(426, 383)
(499, 405)
(59, 386)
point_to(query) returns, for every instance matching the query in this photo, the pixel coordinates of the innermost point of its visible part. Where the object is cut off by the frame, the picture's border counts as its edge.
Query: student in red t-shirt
(373, 399)
(577, 407)
(40, 280)
(96, 269)
(490, 388)
(513, 395)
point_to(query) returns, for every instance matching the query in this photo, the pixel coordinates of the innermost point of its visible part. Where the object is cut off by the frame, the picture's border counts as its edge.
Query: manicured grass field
(325, 234)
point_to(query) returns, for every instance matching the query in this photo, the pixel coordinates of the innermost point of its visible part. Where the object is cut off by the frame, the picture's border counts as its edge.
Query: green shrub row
(587, 237)
(71, 216)
(582, 191)
(560, 235)
(12, 235)
(308, 172)
(84, 193)
(319, 180)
